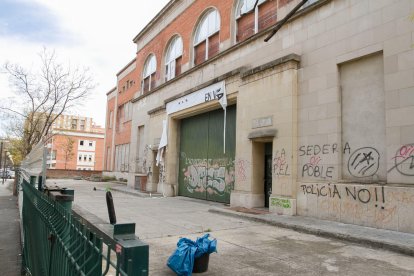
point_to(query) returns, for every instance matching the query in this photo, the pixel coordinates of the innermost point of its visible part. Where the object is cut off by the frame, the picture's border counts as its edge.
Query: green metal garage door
(206, 172)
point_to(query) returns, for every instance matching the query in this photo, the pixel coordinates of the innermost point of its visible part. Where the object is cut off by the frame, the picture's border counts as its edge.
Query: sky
(86, 33)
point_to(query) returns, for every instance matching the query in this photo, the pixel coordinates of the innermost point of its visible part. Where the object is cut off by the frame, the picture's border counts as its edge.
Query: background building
(76, 144)
(316, 122)
(118, 124)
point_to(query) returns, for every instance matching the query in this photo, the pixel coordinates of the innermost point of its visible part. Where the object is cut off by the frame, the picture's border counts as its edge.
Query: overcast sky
(89, 33)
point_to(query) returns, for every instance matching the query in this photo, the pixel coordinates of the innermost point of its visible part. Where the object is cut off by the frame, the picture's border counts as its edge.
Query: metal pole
(1, 153)
(4, 166)
(111, 208)
(43, 182)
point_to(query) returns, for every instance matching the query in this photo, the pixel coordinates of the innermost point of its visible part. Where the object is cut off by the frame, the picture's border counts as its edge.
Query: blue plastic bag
(182, 260)
(205, 245)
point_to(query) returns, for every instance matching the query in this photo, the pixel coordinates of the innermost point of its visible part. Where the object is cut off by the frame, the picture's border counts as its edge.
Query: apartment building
(76, 144)
(316, 120)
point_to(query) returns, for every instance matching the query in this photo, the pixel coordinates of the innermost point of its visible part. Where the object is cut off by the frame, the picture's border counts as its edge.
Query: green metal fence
(58, 243)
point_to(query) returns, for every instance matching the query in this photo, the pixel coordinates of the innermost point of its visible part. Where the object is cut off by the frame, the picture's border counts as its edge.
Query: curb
(138, 194)
(373, 242)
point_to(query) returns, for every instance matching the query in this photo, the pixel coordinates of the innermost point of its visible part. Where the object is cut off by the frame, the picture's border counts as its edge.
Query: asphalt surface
(246, 246)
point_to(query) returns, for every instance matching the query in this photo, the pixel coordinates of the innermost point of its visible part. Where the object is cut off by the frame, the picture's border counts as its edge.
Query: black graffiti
(317, 171)
(321, 190)
(404, 160)
(362, 195)
(212, 95)
(363, 162)
(317, 149)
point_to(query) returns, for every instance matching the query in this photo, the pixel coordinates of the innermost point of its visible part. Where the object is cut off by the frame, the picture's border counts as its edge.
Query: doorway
(268, 172)
(206, 171)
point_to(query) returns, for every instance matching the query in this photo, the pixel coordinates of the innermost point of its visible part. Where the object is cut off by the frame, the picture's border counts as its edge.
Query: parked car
(4, 174)
(7, 173)
(12, 174)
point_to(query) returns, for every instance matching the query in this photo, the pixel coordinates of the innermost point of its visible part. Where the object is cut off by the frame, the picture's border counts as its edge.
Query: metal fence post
(64, 197)
(33, 180)
(132, 252)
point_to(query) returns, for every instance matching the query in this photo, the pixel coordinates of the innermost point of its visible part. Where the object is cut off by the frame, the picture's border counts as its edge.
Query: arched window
(173, 58)
(251, 20)
(206, 39)
(148, 75)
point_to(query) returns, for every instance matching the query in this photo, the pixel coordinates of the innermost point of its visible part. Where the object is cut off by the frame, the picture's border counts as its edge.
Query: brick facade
(333, 85)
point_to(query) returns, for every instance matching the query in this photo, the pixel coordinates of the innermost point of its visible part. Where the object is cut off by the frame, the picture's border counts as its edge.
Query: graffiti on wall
(280, 163)
(314, 166)
(359, 194)
(214, 176)
(280, 202)
(242, 168)
(162, 173)
(404, 160)
(364, 162)
(365, 204)
(142, 164)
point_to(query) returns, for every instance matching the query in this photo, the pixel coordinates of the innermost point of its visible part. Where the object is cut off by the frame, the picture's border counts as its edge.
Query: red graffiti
(242, 166)
(280, 166)
(314, 160)
(405, 151)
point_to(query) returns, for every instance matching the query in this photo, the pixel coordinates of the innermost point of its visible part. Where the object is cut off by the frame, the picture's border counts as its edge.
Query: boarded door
(206, 172)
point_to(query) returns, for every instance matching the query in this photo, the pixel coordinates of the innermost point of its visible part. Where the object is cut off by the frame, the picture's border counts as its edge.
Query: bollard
(111, 208)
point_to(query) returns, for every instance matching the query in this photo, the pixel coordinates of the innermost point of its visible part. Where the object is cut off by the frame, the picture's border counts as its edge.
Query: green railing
(55, 242)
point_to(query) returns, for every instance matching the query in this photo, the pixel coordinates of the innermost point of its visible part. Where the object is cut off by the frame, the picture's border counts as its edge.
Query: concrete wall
(56, 173)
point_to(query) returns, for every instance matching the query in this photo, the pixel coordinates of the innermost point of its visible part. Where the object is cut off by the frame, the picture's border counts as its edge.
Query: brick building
(118, 123)
(77, 144)
(316, 122)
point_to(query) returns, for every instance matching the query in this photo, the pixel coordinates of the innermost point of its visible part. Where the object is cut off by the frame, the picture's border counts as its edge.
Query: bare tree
(42, 96)
(68, 150)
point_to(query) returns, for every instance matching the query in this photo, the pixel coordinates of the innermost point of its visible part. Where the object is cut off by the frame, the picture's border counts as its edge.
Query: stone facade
(332, 92)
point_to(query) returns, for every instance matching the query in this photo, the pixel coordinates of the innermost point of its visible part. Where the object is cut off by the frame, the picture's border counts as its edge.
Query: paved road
(244, 247)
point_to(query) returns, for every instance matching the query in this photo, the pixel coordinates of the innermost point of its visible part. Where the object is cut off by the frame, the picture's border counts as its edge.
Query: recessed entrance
(267, 172)
(206, 171)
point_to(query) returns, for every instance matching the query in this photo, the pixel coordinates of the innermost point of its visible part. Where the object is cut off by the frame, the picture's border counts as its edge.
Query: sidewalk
(123, 188)
(10, 249)
(391, 240)
(380, 238)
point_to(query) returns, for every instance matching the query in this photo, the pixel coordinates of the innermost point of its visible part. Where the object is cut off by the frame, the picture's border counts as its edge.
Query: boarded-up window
(267, 15)
(363, 119)
(178, 62)
(206, 39)
(245, 27)
(149, 74)
(108, 159)
(173, 58)
(122, 158)
(213, 45)
(251, 21)
(139, 159)
(200, 53)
